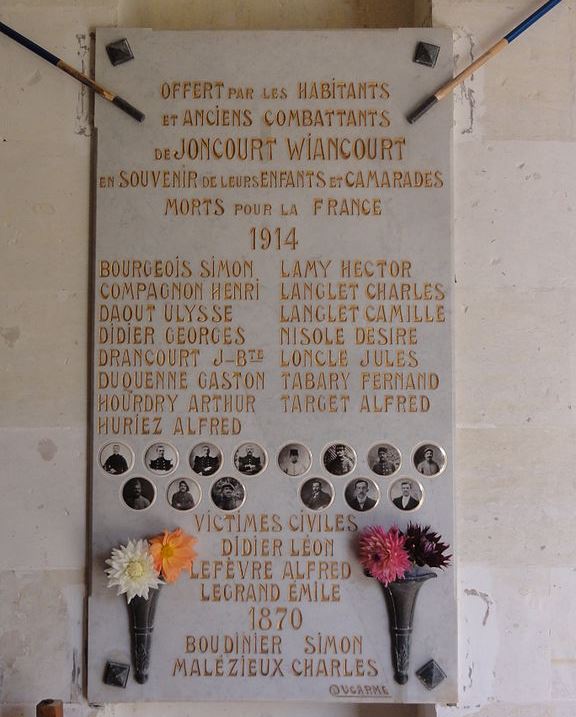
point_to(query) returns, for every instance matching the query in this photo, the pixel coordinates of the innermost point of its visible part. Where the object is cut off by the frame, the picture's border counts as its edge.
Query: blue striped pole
(447, 88)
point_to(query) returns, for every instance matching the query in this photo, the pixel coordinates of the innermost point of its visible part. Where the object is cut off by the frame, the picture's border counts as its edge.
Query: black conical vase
(401, 601)
(141, 612)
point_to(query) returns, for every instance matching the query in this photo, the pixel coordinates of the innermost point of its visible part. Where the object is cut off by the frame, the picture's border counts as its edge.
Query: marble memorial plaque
(273, 359)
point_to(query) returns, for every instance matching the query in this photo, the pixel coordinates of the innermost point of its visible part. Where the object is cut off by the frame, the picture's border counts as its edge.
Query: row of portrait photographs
(361, 494)
(294, 459)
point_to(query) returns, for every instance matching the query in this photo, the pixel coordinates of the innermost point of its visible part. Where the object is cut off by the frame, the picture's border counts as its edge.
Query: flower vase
(401, 600)
(141, 612)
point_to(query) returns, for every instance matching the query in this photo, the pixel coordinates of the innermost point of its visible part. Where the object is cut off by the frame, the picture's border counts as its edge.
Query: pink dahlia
(383, 555)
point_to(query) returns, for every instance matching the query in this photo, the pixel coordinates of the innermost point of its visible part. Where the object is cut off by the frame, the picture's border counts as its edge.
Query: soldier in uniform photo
(316, 494)
(228, 493)
(406, 499)
(115, 463)
(294, 459)
(357, 495)
(251, 462)
(138, 493)
(205, 464)
(339, 459)
(388, 461)
(161, 463)
(182, 498)
(426, 462)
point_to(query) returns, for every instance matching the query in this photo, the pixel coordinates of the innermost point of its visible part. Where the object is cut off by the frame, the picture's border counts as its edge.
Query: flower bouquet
(138, 570)
(399, 561)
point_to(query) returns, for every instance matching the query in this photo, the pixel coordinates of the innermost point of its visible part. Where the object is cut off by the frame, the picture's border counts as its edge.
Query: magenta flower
(383, 555)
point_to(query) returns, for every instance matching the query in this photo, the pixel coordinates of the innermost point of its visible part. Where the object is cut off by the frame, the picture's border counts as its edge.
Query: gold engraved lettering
(314, 358)
(235, 291)
(221, 403)
(237, 643)
(266, 547)
(326, 117)
(130, 426)
(343, 90)
(204, 335)
(399, 381)
(333, 644)
(316, 570)
(235, 380)
(310, 381)
(231, 569)
(321, 523)
(394, 403)
(377, 149)
(379, 268)
(318, 313)
(192, 90)
(145, 268)
(152, 380)
(126, 312)
(150, 290)
(334, 667)
(384, 179)
(128, 334)
(313, 592)
(258, 592)
(124, 358)
(404, 313)
(128, 401)
(389, 358)
(318, 291)
(237, 523)
(197, 313)
(385, 336)
(206, 425)
(310, 403)
(347, 207)
(316, 547)
(313, 336)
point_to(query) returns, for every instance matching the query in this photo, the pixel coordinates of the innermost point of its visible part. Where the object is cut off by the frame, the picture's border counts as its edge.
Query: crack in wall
(83, 100)
(486, 598)
(467, 92)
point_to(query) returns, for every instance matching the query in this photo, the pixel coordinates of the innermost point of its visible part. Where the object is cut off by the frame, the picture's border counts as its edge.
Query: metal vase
(401, 601)
(141, 612)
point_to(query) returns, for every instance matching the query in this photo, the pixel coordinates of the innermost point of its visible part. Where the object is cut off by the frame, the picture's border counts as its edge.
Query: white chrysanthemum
(132, 570)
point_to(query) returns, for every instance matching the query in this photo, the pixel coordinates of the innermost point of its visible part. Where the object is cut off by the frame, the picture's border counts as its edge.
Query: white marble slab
(354, 232)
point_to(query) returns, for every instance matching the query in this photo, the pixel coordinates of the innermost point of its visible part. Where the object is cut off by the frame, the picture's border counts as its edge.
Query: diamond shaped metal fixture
(431, 674)
(426, 54)
(116, 674)
(119, 52)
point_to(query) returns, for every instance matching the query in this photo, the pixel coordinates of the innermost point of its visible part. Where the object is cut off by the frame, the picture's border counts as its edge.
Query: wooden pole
(50, 708)
(448, 87)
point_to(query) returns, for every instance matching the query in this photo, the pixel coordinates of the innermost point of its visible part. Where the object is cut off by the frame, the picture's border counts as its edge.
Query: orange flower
(172, 553)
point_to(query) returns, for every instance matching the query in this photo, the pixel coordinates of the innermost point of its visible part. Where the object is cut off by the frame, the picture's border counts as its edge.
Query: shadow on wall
(272, 14)
(396, 711)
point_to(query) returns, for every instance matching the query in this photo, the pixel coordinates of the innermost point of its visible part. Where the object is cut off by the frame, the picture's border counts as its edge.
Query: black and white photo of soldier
(339, 459)
(161, 458)
(429, 459)
(116, 458)
(294, 459)
(138, 493)
(228, 493)
(205, 459)
(384, 459)
(249, 459)
(183, 494)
